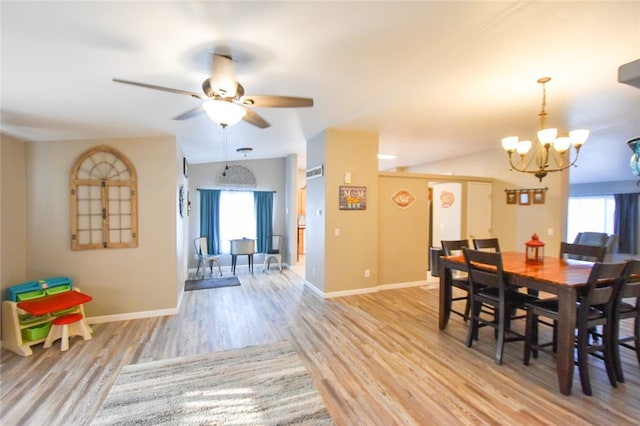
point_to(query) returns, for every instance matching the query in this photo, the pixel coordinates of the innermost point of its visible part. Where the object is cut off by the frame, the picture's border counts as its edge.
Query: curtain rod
(234, 190)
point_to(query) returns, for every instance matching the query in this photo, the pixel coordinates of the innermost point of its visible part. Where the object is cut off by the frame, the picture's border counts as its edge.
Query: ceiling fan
(224, 99)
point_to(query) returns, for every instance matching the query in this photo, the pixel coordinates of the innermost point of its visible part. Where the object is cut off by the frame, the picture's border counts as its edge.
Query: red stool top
(66, 319)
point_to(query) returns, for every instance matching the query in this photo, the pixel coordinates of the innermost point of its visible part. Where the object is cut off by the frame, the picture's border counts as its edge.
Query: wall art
(352, 198)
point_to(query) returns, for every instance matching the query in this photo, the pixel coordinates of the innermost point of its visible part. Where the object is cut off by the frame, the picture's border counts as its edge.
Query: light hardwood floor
(377, 359)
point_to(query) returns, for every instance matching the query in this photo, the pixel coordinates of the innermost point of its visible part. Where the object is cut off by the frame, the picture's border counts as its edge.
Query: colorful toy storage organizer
(21, 330)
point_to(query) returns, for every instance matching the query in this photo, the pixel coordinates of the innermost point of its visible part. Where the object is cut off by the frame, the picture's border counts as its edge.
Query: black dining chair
(488, 287)
(458, 279)
(582, 252)
(486, 244)
(628, 291)
(594, 308)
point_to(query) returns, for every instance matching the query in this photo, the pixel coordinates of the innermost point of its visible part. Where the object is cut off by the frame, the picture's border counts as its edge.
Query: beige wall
(514, 224)
(337, 263)
(119, 280)
(403, 246)
(13, 226)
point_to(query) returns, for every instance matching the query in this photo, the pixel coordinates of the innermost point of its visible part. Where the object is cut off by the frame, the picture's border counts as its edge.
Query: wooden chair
(488, 287)
(595, 308)
(582, 252)
(458, 279)
(629, 289)
(486, 244)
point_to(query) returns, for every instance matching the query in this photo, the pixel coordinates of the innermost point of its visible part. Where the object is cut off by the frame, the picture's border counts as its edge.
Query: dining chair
(459, 279)
(274, 252)
(582, 252)
(594, 308)
(488, 287)
(486, 244)
(629, 290)
(202, 252)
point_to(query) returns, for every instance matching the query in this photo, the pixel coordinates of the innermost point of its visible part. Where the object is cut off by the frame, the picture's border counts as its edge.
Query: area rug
(211, 283)
(258, 385)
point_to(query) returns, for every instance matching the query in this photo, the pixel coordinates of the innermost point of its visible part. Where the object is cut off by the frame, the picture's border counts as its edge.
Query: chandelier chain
(543, 112)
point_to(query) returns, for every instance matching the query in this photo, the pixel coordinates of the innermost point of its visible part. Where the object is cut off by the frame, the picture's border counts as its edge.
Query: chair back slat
(454, 247)
(582, 252)
(630, 286)
(203, 246)
(485, 268)
(486, 244)
(603, 281)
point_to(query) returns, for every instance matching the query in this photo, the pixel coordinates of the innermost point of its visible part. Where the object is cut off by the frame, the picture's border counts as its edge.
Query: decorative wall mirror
(103, 200)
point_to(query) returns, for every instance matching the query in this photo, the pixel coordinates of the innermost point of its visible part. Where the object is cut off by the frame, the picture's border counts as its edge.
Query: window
(103, 201)
(590, 214)
(237, 217)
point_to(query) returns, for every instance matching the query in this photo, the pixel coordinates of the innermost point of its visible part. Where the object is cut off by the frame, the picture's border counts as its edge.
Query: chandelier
(552, 151)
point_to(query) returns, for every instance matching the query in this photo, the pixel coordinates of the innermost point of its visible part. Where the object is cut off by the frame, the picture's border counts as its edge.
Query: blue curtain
(210, 218)
(263, 202)
(625, 222)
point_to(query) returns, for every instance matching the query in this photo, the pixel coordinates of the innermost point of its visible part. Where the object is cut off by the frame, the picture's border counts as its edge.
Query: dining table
(563, 278)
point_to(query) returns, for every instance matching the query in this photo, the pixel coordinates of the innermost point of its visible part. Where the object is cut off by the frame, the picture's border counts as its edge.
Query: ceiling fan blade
(164, 89)
(253, 118)
(190, 114)
(276, 101)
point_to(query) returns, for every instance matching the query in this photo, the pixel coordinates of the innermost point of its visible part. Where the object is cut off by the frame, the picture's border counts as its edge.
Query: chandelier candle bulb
(509, 143)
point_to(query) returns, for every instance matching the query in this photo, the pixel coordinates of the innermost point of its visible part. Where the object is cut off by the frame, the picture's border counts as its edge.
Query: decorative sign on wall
(236, 176)
(402, 198)
(525, 197)
(353, 197)
(446, 199)
(315, 172)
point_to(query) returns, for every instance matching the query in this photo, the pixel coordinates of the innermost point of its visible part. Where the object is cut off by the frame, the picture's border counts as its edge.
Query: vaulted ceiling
(435, 79)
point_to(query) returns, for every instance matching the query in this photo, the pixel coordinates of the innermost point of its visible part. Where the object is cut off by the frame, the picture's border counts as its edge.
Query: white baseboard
(132, 315)
(375, 289)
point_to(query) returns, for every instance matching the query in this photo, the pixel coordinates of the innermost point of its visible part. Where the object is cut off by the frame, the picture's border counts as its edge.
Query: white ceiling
(435, 79)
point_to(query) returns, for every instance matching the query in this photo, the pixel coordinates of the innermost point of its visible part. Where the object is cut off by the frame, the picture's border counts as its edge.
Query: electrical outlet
(336, 232)
(313, 271)
(367, 273)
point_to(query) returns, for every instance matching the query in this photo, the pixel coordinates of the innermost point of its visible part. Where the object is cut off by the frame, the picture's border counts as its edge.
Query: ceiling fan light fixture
(223, 112)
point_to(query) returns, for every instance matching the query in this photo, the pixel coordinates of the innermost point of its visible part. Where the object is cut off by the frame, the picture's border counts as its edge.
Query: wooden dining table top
(554, 270)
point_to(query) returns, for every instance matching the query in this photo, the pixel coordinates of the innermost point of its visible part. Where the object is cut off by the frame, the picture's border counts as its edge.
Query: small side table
(234, 259)
(240, 247)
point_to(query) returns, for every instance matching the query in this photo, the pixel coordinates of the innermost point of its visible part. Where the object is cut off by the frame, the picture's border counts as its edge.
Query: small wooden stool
(66, 326)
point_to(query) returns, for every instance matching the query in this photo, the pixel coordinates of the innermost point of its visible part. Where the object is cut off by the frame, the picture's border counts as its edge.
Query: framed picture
(512, 197)
(352, 198)
(538, 196)
(185, 167)
(523, 198)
